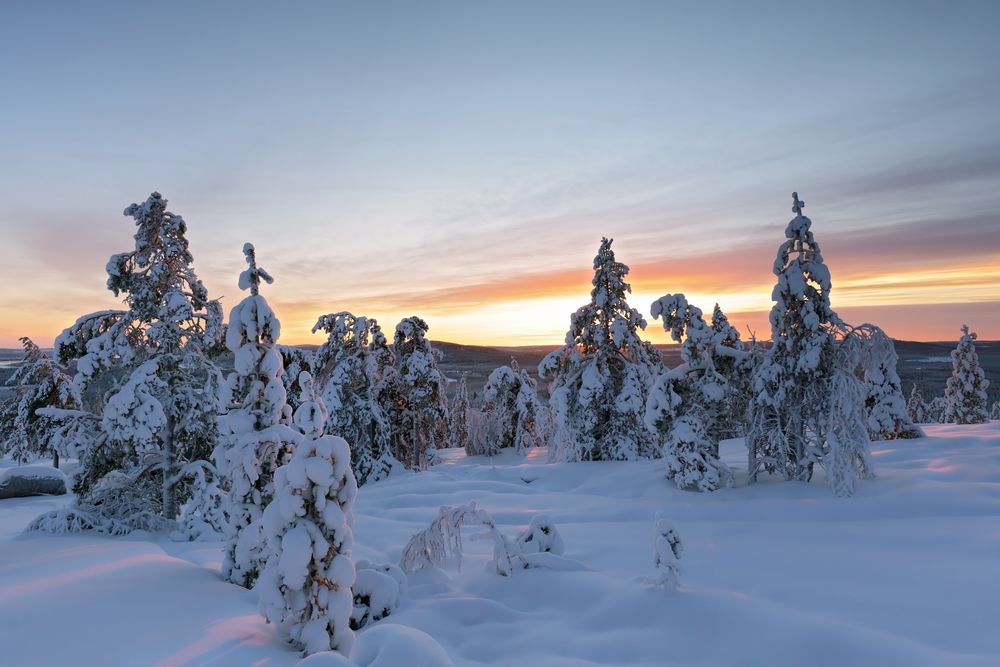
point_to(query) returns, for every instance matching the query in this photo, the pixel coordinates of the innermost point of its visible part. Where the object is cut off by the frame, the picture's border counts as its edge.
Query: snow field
(903, 573)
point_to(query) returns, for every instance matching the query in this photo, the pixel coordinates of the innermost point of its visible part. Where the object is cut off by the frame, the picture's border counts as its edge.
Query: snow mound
(326, 659)
(25, 481)
(391, 645)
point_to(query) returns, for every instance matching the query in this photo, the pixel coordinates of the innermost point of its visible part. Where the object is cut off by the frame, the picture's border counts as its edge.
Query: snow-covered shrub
(667, 550)
(807, 403)
(305, 587)
(512, 415)
(378, 590)
(541, 536)
(888, 418)
(599, 378)
(355, 368)
(120, 502)
(692, 458)
(686, 405)
(965, 392)
(203, 515)
(420, 417)
(40, 384)
(441, 543)
(995, 412)
(157, 356)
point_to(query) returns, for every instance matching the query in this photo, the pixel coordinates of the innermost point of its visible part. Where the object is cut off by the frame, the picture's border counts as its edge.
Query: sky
(461, 161)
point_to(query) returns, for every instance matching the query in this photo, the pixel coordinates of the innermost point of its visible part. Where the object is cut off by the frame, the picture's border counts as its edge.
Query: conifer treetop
(159, 269)
(251, 277)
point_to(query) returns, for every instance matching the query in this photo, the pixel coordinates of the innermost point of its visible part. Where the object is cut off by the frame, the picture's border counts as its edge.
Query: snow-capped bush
(599, 378)
(511, 415)
(965, 392)
(541, 536)
(697, 391)
(203, 515)
(255, 435)
(305, 587)
(355, 368)
(378, 591)
(667, 550)
(888, 418)
(692, 459)
(441, 543)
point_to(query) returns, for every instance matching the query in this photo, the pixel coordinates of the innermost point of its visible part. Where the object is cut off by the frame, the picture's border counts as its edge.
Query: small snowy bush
(441, 542)
(378, 590)
(305, 587)
(667, 549)
(541, 536)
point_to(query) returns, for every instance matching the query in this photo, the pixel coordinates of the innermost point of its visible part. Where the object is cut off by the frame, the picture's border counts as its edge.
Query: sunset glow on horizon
(461, 161)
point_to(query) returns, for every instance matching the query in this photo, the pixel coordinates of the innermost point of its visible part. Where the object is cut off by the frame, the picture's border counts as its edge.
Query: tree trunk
(55, 459)
(169, 490)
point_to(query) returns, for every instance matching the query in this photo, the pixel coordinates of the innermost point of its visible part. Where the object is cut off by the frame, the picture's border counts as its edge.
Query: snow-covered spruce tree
(965, 392)
(255, 432)
(916, 409)
(995, 412)
(305, 588)
(806, 395)
(459, 434)
(355, 370)
(39, 383)
(888, 418)
(691, 439)
(157, 356)
(599, 378)
(421, 411)
(735, 368)
(512, 415)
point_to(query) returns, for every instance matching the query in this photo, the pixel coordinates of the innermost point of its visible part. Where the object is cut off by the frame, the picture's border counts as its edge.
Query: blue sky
(445, 156)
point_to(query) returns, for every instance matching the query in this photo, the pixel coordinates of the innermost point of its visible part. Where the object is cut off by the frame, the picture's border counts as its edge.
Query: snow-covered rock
(25, 481)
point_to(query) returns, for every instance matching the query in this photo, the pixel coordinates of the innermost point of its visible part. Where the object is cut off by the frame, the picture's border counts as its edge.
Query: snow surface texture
(903, 573)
